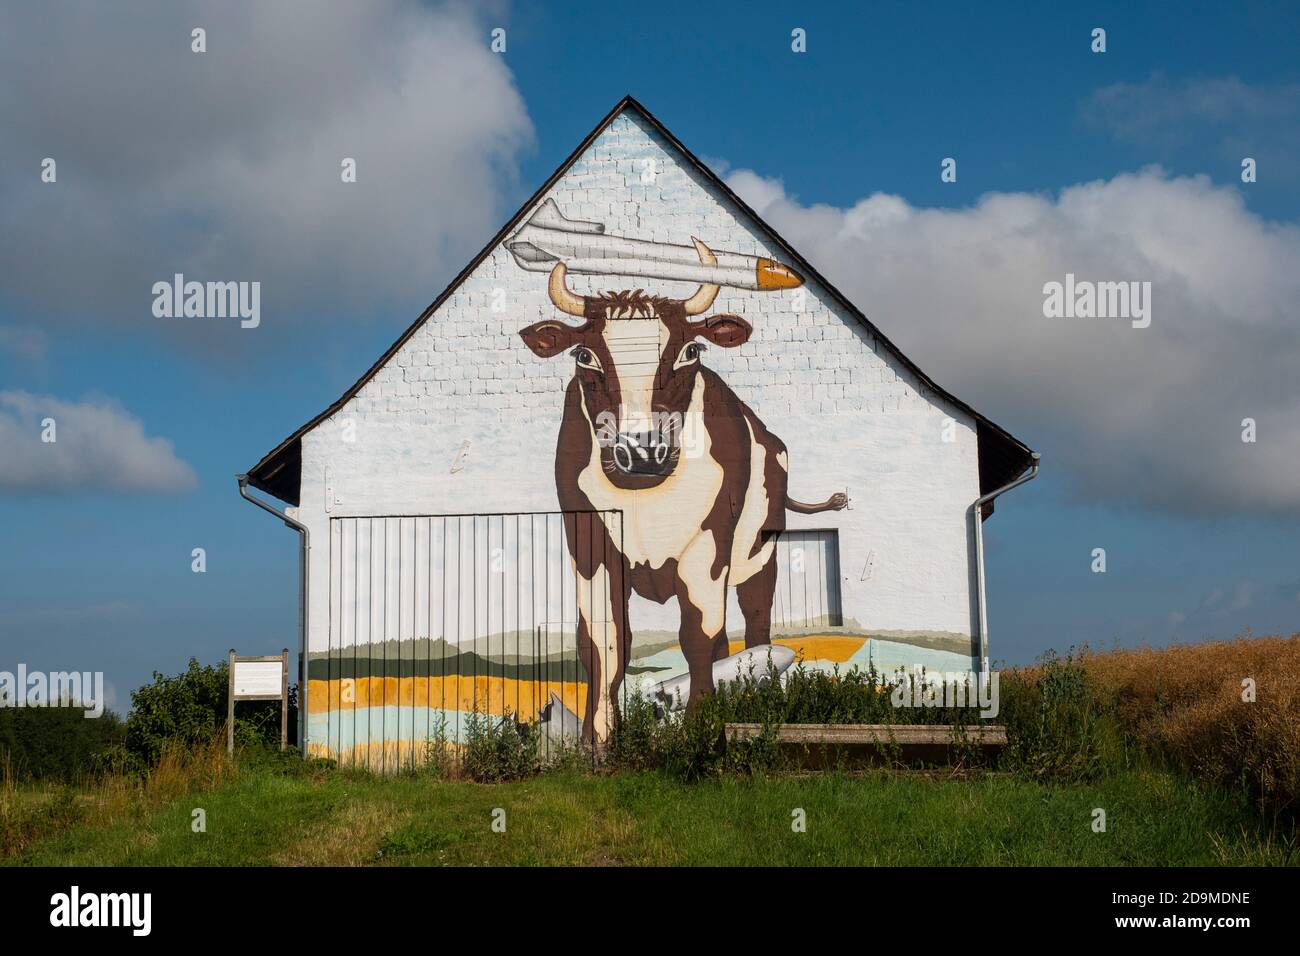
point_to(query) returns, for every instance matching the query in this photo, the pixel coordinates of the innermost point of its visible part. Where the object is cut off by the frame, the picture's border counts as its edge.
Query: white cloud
(225, 165)
(98, 447)
(1147, 416)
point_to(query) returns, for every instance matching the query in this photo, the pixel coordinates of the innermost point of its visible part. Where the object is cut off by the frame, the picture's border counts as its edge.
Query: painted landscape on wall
(439, 621)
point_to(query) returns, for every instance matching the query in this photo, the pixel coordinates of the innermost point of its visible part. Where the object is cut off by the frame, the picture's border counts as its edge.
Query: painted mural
(668, 485)
(674, 542)
(651, 433)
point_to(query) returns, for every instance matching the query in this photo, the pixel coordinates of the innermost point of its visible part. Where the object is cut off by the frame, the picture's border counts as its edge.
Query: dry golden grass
(349, 838)
(1186, 701)
(36, 810)
(178, 772)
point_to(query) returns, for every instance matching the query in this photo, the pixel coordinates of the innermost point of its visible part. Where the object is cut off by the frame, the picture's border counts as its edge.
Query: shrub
(691, 744)
(439, 757)
(633, 745)
(1056, 731)
(804, 696)
(57, 743)
(498, 748)
(189, 710)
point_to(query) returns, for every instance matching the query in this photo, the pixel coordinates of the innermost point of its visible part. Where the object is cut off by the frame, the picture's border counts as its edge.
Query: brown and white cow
(650, 431)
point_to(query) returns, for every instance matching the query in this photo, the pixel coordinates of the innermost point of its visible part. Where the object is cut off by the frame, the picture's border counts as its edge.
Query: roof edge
(273, 462)
(279, 473)
(842, 299)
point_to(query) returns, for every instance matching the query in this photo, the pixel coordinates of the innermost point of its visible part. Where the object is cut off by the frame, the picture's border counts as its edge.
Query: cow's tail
(836, 502)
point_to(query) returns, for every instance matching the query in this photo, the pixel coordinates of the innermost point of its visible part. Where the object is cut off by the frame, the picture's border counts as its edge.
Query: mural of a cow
(650, 431)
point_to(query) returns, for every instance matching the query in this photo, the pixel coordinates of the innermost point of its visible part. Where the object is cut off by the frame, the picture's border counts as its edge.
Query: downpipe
(980, 598)
(303, 554)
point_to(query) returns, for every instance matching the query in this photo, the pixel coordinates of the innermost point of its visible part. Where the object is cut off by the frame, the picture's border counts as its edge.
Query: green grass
(264, 816)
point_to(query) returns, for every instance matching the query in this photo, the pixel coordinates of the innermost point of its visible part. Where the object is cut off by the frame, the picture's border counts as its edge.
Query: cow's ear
(549, 338)
(725, 331)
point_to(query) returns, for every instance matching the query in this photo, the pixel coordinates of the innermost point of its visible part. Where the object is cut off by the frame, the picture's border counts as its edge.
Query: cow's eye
(586, 358)
(690, 353)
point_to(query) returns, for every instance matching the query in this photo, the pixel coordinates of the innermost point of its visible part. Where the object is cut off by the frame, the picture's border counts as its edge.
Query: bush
(498, 748)
(691, 744)
(1056, 730)
(634, 743)
(189, 710)
(805, 696)
(57, 743)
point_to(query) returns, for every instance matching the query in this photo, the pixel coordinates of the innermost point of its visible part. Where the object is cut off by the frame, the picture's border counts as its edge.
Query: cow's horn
(705, 294)
(565, 300)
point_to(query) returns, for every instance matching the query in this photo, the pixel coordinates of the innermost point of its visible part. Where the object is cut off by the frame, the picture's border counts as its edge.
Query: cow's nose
(642, 453)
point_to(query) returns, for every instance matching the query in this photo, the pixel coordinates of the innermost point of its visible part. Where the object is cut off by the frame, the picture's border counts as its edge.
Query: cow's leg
(603, 642)
(755, 599)
(703, 601)
(602, 647)
(768, 481)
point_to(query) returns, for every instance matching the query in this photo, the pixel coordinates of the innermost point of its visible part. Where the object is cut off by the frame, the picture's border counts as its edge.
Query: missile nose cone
(781, 655)
(773, 275)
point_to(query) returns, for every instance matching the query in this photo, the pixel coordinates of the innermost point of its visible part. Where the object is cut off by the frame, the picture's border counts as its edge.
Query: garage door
(437, 618)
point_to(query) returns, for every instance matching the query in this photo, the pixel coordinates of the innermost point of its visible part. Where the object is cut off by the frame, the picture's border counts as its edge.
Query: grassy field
(330, 817)
(1192, 752)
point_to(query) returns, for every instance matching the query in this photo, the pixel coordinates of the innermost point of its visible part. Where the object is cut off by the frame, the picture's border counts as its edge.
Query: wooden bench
(929, 742)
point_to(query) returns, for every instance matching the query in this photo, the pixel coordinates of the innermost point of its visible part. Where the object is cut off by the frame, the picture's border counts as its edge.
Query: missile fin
(529, 257)
(548, 216)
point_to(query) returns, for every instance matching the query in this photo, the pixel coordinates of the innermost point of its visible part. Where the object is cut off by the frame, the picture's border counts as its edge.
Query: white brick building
(460, 418)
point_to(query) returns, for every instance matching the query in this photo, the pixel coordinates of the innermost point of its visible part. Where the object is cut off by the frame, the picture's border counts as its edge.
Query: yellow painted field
(489, 695)
(836, 648)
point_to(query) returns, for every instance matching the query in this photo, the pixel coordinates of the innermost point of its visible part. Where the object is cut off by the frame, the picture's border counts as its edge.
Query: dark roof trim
(1004, 459)
(280, 472)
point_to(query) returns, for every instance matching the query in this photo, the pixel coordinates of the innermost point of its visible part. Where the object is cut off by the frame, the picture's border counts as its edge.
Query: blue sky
(205, 164)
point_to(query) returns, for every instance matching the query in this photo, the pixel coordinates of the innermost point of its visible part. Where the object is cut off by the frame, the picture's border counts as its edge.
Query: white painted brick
(849, 411)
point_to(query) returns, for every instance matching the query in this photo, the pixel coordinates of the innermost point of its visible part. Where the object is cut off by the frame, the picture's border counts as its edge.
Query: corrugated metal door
(807, 580)
(436, 618)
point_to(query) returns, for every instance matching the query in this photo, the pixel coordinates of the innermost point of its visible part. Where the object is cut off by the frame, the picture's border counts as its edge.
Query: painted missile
(549, 237)
(752, 660)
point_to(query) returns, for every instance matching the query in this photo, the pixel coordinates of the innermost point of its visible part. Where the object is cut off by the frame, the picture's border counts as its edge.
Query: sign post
(258, 678)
